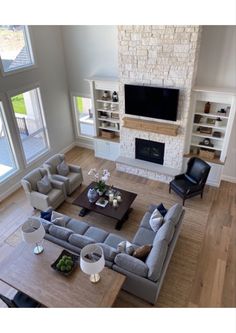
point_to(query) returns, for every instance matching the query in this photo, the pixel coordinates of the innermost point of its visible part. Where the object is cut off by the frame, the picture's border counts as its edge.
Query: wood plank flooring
(202, 271)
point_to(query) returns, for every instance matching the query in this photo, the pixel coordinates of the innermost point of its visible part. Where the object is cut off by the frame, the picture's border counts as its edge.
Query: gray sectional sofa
(144, 278)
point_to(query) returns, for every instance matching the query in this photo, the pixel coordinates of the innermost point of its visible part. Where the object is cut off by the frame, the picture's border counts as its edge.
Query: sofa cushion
(46, 215)
(59, 232)
(46, 224)
(109, 252)
(156, 220)
(74, 177)
(54, 195)
(79, 227)
(44, 186)
(166, 232)
(174, 213)
(155, 259)
(142, 252)
(131, 264)
(113, 240)
(80, 240)
(59, 219)
(144, 236)
(125, 247)
(97, 234)
(162, 209)
(63, 169)
(145, 221)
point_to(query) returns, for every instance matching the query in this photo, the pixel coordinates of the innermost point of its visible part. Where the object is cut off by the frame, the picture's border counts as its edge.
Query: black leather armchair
(192, 182)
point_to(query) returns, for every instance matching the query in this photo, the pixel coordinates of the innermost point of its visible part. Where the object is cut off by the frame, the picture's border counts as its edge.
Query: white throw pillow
(125, 247)
(44, 185)
(63, 169)
(156, 220)
(58, 219)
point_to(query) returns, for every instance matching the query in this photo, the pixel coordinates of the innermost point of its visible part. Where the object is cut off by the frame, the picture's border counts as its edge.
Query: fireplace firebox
(150, 151)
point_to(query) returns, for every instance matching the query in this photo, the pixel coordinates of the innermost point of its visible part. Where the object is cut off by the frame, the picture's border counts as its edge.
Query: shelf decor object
(33, 232)
(92, 261)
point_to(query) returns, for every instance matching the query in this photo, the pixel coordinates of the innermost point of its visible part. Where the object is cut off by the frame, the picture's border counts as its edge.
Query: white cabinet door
(106, 149)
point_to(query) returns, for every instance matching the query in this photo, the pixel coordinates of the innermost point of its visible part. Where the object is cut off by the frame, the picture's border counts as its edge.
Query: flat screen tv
(153, 102)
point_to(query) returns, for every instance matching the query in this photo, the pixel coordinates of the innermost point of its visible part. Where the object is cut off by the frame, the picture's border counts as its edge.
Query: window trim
(9, 138)
(18, 91)
(76, 121)
(30, 44)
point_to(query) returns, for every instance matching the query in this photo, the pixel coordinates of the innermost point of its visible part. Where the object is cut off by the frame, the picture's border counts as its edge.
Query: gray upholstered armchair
(72, 179)
(55, 196)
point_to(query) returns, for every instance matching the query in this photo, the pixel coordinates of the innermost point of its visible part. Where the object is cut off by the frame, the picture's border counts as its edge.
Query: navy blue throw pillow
(46, 215)
(162, 209)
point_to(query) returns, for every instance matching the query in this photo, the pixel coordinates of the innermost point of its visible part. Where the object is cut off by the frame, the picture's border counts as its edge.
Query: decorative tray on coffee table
(101, 202)
(69, 264)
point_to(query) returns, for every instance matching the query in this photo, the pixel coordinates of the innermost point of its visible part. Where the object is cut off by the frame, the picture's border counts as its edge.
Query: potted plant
(100, 178)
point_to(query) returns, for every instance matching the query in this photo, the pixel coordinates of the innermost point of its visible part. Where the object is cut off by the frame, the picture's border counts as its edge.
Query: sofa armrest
(59, 178)
(180, 176)
(74, 168)
(35, 197)
(57, 184)
(131, 264)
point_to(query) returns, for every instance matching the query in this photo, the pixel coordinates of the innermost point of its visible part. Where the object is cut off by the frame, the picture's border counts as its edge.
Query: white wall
(51, 75)
(217, 68)
(217, 61)
(89, 51)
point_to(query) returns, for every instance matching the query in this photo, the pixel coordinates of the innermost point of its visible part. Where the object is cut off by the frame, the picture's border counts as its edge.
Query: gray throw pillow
(125, 247)
(44, 185)
(63, 169)
(59, 219)
(156, 220)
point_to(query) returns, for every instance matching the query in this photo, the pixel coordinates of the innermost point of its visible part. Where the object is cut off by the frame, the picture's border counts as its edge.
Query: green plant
(101, 186)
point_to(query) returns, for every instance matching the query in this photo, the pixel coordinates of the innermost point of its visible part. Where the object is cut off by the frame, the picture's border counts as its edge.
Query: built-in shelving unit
(107, 116)
(209, 136)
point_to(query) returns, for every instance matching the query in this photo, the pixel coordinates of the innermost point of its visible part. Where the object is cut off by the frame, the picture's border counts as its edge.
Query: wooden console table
(32, 274)
(151, 126)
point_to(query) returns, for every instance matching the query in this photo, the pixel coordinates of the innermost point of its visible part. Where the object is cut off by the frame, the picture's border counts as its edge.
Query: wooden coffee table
(33, 275)
(119, 213)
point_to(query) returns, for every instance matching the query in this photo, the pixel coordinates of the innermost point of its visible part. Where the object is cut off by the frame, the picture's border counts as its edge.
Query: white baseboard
(68, 148)
(229, 178)
(85, 143)
(11, 189)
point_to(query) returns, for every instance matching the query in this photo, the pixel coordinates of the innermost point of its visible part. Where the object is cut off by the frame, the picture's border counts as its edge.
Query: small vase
(92, 195)
(100, 192)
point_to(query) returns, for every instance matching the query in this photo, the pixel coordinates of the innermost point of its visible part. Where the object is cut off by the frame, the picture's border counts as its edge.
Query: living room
(190, 58)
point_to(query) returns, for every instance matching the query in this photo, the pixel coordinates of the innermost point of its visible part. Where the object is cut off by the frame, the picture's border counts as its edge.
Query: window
(31, 124)
(84, 116)
(7, 159)
(15, 48)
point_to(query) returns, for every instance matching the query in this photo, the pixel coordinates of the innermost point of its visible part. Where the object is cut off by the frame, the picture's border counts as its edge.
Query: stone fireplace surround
(163, 56)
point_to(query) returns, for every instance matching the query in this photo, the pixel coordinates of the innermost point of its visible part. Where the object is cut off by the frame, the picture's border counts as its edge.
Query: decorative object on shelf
(195, 150)
(206, 142)
(114, 97)
(113, 107)
(92, 195)
(205, 130)
(119, 199)
(33, 232)
(104, 123)
(218, 122)
(207, 107)
(92, 261)
(205, 153)
(103, 115)
(222, 111)
(106, 106)
(197, 118)
(217, 134)
(100, 178)
(107, 134)
(106, 95)
(211, 121)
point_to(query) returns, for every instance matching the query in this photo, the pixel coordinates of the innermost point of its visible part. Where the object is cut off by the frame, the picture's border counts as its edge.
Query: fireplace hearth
(150, 151)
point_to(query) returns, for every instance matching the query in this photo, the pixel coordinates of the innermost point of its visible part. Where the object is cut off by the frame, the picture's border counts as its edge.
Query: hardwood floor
(202, 271)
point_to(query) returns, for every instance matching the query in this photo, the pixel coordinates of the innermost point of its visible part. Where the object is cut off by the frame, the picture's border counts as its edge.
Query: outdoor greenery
(19, 104)
(79, 101)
